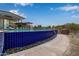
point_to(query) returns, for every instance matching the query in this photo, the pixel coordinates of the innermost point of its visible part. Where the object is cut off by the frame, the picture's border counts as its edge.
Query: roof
(23, 23)
(9, 15)
(20, 23)
(29, 22)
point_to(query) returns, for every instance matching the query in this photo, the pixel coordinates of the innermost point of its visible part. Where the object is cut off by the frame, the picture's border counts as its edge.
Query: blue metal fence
(20, 39)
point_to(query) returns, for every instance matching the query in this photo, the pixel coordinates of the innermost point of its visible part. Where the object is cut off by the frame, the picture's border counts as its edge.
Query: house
(10, 20)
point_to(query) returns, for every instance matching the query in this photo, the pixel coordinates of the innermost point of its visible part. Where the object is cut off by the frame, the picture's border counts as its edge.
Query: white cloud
(69, 8)
(18, 13)
(24, 4)
(15, 11)
(75, 16)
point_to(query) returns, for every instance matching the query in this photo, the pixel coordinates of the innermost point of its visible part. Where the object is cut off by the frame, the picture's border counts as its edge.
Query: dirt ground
(74, 45)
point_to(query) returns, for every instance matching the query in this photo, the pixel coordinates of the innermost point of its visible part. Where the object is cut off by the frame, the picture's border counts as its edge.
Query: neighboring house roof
(9, 15)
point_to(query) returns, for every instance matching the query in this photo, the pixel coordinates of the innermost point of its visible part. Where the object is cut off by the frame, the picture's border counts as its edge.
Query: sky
(45, 13)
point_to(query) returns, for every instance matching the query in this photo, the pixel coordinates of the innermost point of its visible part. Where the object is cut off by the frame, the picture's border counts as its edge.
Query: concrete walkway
(55, 47)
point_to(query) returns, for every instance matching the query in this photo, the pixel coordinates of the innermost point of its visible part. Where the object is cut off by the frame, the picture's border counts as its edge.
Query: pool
(21, 39)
